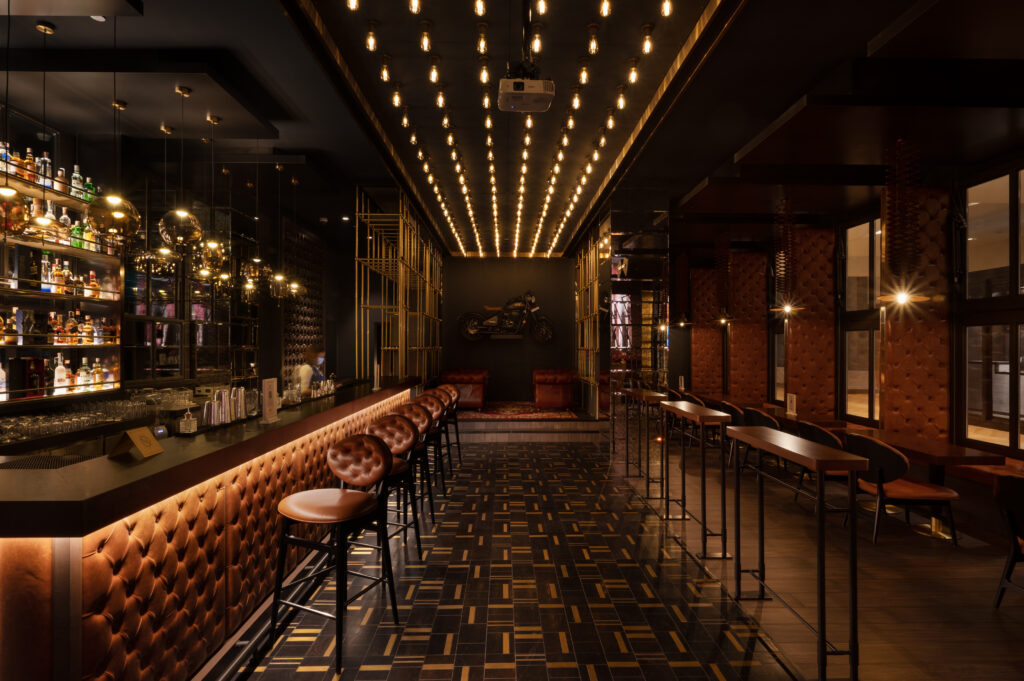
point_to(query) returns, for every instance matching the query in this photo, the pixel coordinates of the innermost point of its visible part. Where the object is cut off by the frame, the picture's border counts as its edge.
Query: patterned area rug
(515, 411)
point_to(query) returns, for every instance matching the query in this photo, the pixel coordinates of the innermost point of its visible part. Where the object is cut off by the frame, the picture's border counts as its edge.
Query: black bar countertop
(77, 499)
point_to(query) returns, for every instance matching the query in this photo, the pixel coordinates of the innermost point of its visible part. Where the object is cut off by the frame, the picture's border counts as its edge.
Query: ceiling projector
(525, 95)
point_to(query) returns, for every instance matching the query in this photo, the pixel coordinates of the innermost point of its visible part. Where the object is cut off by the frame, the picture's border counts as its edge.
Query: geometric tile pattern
(543, 565)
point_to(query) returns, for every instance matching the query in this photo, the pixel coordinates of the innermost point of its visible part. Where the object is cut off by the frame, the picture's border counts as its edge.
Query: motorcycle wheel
(469, 326)
(542, 331)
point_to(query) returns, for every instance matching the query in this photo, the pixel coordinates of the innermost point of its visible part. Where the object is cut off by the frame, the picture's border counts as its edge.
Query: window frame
(868, 319)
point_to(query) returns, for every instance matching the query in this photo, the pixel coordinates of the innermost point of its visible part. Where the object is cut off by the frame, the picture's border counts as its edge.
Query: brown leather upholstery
(810, 348)
(431, 404)
(399, 467)
(417, 414)
(911, 490)
(163, 587)
(706, 334)
(441, 395)
(451, 390)
(360, 460)
(748, 332)
(398, 432)
(554, 388)
(472, 386)
(26, 587)
(327, 506)
(916, 354)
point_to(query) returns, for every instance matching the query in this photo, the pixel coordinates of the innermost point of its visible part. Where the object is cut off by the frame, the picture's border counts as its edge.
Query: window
(988, 238)
(863, 265)
(988, 383)
(860, 322)
(779, 362)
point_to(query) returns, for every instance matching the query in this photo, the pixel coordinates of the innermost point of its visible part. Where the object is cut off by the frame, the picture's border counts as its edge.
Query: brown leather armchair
(472, 385)
(554, 388)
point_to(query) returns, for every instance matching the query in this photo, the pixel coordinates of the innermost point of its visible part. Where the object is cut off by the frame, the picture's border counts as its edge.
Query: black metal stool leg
(411, 495)
(448, 448)
(282, 555)
(385, 558)
(340, 595)
(426, 483)
(458, 439)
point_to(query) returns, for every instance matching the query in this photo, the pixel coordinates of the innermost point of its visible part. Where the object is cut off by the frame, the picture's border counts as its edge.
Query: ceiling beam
(818, 174)
(76, 8)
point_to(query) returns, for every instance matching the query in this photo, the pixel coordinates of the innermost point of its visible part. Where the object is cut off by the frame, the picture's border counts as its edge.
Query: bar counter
(114, 567)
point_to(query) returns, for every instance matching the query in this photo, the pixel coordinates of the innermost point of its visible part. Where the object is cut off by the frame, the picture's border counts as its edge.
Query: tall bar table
(817, 458)
(701, 417)
(644, 399)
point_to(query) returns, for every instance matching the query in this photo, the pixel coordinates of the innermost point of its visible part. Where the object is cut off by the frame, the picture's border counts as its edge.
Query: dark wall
(471, 283)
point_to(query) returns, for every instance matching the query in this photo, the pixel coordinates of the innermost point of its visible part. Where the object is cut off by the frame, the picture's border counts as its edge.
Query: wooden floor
(925, 607)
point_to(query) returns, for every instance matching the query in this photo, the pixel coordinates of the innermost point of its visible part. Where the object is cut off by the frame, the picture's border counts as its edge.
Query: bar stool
(454, 392)
(435, 408)
(449, 405)
(400, 435)
(420, 418)
(359, 461)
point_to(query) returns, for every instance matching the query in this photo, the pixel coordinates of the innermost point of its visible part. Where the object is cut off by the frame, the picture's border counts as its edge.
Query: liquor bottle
(107, 291)
(87, 331)
(76, 235)
(97, 332)
(109, 331)
(18, 167)
(5, 157)
(97, 374)
(90, 189)
(69, 371)
(92, 287)
(89, 241)
(60, 376)
(60, 183)
(45, 166)
(84, 376)
(11, 330)
(30, 165)
(71, 329)
(79, 285)
(57, 277)
(48, 373)
(28, 270)
(51, 329)
(58, 331)
(45, 272)
(77, 188)
(69, 280)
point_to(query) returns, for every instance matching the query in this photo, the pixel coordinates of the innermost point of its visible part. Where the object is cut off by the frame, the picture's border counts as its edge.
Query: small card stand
(791, 404)
(139, 443)
(682, 383)
(269, 401)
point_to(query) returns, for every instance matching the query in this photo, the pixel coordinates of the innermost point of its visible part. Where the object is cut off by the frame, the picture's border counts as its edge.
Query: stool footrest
(300, 606)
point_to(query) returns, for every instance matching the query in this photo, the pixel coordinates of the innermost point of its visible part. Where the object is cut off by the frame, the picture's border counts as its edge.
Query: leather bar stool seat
(401, 436)
(420, 418)
(435, 407)
(362, 464)
(454, 417)
(444, 423)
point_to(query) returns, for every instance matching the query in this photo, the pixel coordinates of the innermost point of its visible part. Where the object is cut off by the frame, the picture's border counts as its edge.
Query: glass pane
(858, 385)
(877, 384)
(876, 228)
(988, 383)
(858, 268)
(988, 236)
(780, 366)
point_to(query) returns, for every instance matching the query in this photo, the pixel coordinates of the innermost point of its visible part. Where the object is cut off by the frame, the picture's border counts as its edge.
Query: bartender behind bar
(310, 371)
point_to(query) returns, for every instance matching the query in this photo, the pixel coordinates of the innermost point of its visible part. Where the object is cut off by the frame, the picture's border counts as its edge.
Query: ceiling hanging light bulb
(610, 122)
(565, 138)
(570, 122)
(450, 139)
(454, 156)
(440, 98)
(584, 71)
(576, 98)
(485, 74)
(527, 140)
(434, 74)
(592, 40)
(371, 37)
(353, 4)
(634, 72)
(445, 121)
(561, 155)
(425, 35)
(606, 8)
(414, 6)
(595, 155)
(396, 97)
(529, 121)
(412, 137)
(542, 7)
(481, 37)
(666, 8)
(479, 8)
(487, 122)
(648, 43)
(487, 99)
(405, 114)
(535, 42)
(385, 68)
(620, 100)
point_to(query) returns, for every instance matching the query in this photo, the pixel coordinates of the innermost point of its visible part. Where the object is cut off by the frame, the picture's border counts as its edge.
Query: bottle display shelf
(89, 251)
(38, 191)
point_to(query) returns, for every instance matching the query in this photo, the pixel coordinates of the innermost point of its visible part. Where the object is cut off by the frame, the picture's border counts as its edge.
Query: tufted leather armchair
(472, 386)
(554, 388)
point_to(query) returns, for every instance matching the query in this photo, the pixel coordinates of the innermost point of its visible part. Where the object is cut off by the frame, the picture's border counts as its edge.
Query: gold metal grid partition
(588, 263)
(398, 291)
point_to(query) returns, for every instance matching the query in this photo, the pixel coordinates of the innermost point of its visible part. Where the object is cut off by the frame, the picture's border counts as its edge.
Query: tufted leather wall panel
(748, 332)
(26, 584)
(164, 587)
(915, 363)
(706, 335)
(810, 346)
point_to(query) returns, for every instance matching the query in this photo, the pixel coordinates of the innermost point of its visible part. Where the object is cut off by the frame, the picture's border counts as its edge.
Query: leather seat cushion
(554, 376)
(327, 505)
(912, 490)
(465, 376)
(399, 467)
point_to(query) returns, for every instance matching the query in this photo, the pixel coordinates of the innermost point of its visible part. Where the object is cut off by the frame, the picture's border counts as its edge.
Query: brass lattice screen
(398, 293)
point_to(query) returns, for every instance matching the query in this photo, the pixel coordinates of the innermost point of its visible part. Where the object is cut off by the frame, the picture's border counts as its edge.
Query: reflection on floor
(542, 566)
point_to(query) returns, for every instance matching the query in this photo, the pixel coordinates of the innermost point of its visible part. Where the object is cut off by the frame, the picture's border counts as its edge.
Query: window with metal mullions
(860, 385)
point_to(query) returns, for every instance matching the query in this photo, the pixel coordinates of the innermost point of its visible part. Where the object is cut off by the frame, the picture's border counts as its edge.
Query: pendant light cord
(117, 122)
(181, 161)
(7, 94)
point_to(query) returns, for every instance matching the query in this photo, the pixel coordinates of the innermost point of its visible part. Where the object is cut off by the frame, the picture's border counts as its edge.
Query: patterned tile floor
(542, 566)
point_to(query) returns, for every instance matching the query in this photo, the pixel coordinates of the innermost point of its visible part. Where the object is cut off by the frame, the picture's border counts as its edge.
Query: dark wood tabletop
(694, 412)
(810, 455)
(648, 396)
(928, 451)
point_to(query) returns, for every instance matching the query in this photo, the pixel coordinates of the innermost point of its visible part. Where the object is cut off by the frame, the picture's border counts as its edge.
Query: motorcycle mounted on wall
(515, 318)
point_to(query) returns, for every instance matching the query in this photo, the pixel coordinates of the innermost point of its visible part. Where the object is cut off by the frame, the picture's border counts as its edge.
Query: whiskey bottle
(60, 183)
(51, 329)
(64, 227)
(69, 280)
(11, 331)
(84, 376)
(71, 329)
(97, 374)
(17, 168)
(77, 189)
(45, 273)
(48, 374)
(45, 169)
(92, 287)
(57, 277)
(87, 331)
(30, 165)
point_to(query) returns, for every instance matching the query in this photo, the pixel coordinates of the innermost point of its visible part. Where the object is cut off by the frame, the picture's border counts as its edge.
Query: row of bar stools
(401, 436)
(362, 463)
(420, 418)
(444, 422)
(435, 407)
(451, 418)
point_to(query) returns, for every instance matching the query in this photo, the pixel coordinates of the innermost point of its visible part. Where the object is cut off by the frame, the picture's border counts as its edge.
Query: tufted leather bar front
(916, 353)
(810, 346)
(706, 338)
(164, 587)
(748, 332)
